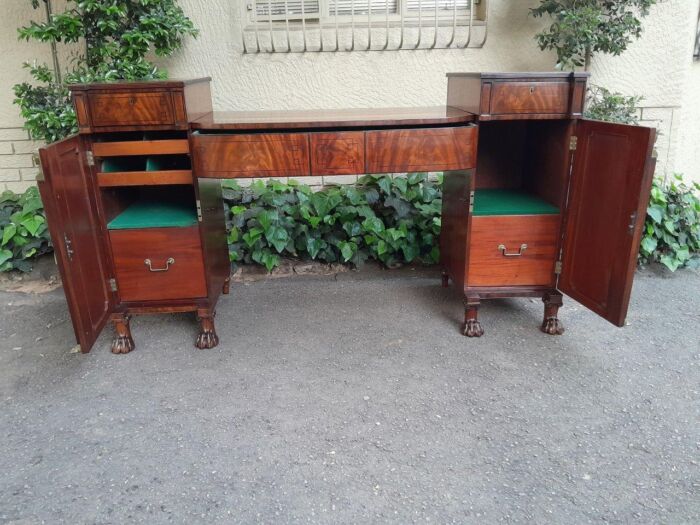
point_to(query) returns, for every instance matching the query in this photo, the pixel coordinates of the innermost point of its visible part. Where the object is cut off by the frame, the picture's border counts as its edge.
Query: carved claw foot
(123, 343)
(207, 337)
(552, 326)
(473, 328)
(445, 280)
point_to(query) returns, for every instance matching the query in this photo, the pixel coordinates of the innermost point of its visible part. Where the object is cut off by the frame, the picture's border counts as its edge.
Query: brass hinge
(471, 201)
(90, 158)
(557, 268)
(113, 285)
(573, 142)
(199, 210)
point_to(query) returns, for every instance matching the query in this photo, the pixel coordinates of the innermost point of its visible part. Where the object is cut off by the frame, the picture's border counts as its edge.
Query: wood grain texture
(144, 178)
(184, 279)
(333, 118)
(530, 97)
(212, 229)
(68, 193)
(251, 155)
(487, 265)
(432, 149)
(454, 233)
(611, 181)
(140, 147)
(340, 153)
(114, 108)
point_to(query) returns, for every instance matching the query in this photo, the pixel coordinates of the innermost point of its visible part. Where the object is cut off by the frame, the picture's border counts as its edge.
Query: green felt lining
(148, 214)
(510, 202)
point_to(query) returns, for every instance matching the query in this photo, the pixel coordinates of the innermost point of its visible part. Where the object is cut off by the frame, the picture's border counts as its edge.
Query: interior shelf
(510, 202)
(143, 147)
(145, 171)
(155, 214)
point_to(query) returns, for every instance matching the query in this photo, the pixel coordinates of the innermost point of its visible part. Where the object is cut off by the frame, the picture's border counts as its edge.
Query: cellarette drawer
(551, 98)
(133, 108)
(158, 263)
(429, 149)
(513, 250)
(251, 155)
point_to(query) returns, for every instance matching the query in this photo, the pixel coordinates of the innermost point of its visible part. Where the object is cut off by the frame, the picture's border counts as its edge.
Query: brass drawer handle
(502, 248)
(148, 263)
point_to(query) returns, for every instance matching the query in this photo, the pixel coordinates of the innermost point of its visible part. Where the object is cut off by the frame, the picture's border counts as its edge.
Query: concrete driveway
(354, 399)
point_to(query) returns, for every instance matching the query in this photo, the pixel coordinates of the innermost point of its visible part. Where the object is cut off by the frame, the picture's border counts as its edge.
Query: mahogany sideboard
(537, 200)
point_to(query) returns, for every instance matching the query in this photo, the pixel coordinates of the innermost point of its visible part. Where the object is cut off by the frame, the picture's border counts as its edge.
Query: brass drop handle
(502, 248)
(148, 263)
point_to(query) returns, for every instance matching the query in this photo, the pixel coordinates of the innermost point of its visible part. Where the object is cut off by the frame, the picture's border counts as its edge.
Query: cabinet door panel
(68, 193)
(611, 181)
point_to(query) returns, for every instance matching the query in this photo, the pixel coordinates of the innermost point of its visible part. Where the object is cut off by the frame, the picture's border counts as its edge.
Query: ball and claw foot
(123, 343)
(473, 328)
(552, 326)
(207, 337)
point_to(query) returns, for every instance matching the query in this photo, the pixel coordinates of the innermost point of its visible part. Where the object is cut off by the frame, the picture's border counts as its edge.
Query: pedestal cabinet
(134, 232)
(555, 205)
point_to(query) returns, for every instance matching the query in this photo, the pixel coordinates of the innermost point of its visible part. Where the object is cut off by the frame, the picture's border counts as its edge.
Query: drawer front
(255, 155)
(530, 97)
(488, 266)
(134, 108)
(429, 149)
(337, 153)
(158, 263)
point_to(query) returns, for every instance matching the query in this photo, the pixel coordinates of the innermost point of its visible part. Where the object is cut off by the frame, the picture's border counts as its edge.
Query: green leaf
(649, 244)
(656, 212)
(347, 250)
(5, 255)
(277, 237)
(670, 262)
(373, 224)
(8, 233)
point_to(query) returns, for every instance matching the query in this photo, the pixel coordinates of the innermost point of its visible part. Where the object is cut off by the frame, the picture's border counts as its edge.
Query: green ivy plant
(672, 228)
(115, 38)
(581, 28)
(393, 221)
(23, 232)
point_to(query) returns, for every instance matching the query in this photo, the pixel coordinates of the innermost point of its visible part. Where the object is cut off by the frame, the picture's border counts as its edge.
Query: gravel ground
(354, 399)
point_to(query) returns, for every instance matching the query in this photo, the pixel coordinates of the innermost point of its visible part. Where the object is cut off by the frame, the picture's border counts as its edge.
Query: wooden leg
(207, 337)
(445, 279)
(550, 324)
(227, 285)
(123, 342)
(472, 326)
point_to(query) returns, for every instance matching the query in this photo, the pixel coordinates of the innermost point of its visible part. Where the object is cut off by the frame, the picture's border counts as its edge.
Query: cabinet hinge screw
(573, 143)
(113, 285)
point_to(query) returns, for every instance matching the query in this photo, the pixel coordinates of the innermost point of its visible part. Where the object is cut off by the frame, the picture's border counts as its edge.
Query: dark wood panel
(254, 155)
(489, 267)
(530, 97)
(502, 154)
(454, 233)
(333, 118)
(140, 147)
(341, 153)
(434, 149)
(212, 230)
(183, 279)
(611, 181)
(131, 108)
(68, 194)
(144, 178)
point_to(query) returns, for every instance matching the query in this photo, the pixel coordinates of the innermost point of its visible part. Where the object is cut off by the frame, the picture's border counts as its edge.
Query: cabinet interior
(522, 167)
(136, 207)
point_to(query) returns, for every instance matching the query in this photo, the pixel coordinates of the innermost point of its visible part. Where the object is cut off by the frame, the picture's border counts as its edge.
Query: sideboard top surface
(138, 85)
(333, 118)
(523, 75)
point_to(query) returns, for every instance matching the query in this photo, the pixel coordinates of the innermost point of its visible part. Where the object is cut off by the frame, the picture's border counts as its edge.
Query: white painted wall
(659, 66)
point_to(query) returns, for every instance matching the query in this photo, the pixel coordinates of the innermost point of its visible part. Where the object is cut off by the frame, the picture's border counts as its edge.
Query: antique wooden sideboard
(537, 200)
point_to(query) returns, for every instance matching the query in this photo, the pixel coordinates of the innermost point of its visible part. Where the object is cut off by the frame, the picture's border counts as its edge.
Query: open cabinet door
(68, 193)
(611, 180)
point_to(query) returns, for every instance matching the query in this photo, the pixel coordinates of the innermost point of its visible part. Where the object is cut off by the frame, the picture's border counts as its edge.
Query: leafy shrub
(390, 220)
(672, 228)
(603, 104)
(23, 232)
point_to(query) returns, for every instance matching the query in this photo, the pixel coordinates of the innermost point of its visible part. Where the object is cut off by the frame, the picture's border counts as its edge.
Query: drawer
(530, 97)
(487, 264)
(154, 264)
(132, 108)
(251, 155)
(338, 153)
(428, 149)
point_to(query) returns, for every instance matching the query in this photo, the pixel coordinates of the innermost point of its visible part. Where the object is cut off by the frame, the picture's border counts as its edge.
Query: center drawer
(513, 250)
(158, 263)
(133, 108)
(530, 97)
